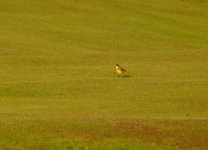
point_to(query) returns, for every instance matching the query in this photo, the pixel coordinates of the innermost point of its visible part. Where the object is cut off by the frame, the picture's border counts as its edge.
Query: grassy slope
(58, 90)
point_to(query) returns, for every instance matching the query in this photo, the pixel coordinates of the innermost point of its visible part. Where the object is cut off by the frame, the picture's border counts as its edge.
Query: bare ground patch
(185, 134)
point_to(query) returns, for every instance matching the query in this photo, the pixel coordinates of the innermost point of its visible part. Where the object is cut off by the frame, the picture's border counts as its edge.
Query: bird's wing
(123, 69)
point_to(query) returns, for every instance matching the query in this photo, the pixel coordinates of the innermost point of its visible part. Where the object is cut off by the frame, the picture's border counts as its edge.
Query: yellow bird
(119, 69)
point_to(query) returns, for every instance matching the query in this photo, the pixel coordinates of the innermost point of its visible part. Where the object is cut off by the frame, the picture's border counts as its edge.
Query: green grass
(58, 89)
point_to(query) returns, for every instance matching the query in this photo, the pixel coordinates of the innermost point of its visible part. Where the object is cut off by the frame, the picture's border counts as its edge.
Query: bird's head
(117, 65)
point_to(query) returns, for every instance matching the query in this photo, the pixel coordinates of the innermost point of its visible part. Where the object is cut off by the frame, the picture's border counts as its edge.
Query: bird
(119, 70)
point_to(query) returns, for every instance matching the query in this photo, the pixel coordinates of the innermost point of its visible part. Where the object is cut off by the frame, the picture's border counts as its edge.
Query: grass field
(58, 89)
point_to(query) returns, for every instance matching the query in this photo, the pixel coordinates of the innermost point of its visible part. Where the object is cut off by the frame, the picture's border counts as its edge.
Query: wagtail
(119, 69)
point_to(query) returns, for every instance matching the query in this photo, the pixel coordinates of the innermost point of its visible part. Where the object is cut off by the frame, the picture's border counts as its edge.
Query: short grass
(58, 89)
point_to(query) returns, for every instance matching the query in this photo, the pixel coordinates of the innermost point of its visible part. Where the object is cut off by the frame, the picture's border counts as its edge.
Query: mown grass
(58, 89)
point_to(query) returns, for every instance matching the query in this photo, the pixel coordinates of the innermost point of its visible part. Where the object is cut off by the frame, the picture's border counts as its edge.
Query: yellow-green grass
(58, 89)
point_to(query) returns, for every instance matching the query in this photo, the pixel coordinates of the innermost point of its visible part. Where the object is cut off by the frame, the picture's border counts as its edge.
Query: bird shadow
(126, 76)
